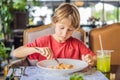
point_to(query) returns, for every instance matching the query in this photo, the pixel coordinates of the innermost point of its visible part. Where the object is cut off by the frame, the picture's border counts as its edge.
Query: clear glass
(104, 60)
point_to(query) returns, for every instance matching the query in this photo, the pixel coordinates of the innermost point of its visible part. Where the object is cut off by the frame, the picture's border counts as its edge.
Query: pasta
(62, 66)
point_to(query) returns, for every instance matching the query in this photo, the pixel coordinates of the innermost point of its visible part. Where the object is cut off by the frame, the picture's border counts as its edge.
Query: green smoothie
(103, 63)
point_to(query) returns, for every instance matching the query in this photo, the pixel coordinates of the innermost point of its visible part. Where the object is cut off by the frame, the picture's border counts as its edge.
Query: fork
(38, 50)
(57, 61)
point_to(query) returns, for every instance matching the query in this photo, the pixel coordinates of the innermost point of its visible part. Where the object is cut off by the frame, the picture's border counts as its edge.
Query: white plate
(78, 65)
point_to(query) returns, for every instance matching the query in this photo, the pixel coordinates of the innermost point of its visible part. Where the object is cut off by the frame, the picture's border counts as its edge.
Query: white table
(35, 73)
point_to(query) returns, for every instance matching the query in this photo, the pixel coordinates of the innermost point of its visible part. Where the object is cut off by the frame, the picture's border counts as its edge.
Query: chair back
(31, 34)
(110, 40)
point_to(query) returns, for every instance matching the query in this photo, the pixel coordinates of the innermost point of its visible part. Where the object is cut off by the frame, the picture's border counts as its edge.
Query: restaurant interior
(18, 15)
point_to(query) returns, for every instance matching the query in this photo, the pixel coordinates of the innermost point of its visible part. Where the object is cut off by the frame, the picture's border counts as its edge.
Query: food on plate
(62, 66)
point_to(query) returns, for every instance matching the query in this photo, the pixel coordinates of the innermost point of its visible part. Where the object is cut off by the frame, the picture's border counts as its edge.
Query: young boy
(61, 44)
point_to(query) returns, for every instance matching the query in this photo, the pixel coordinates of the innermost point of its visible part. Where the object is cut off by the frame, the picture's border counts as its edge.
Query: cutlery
(57, 61)
(55, 58)
(38, 50)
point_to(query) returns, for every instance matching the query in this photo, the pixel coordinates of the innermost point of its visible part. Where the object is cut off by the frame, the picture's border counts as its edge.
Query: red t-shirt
(71, 48)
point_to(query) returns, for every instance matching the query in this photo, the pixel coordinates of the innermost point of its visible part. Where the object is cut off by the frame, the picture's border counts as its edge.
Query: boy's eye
(70, 29)
(62, 28)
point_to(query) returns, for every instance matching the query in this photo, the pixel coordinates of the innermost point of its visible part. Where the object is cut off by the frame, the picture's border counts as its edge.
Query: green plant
(6, 16)
(6, 13)
(76, 77)
(4, 51)
(21, 4)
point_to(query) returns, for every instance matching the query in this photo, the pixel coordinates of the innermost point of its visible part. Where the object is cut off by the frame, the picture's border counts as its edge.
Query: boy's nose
(64, 33)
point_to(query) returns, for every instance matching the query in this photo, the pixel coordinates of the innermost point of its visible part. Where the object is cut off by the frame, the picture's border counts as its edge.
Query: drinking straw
(100, 39)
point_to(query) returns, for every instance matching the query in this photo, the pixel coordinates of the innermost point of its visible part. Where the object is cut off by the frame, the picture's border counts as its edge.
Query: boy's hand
(89, 59)
(45, 51)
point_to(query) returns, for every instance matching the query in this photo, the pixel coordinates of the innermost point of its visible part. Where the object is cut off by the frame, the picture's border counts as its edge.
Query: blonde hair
(67, 10)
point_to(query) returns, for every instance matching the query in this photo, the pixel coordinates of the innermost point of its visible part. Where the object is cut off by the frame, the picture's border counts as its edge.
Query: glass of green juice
(103, 60)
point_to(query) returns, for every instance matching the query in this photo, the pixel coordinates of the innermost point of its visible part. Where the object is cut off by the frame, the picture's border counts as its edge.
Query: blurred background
(17, 15)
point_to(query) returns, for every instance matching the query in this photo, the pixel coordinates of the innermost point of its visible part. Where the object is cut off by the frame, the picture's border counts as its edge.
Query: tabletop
(36, 73)
(117, 72)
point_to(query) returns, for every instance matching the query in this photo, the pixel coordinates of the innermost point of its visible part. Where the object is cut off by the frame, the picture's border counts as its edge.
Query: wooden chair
(110, 41)
(31, 34)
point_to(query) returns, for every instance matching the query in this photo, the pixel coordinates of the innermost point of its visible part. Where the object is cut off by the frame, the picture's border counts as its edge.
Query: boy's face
(63, 30)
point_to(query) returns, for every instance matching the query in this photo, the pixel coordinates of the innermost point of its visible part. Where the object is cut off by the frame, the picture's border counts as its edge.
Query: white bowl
(78, 65)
